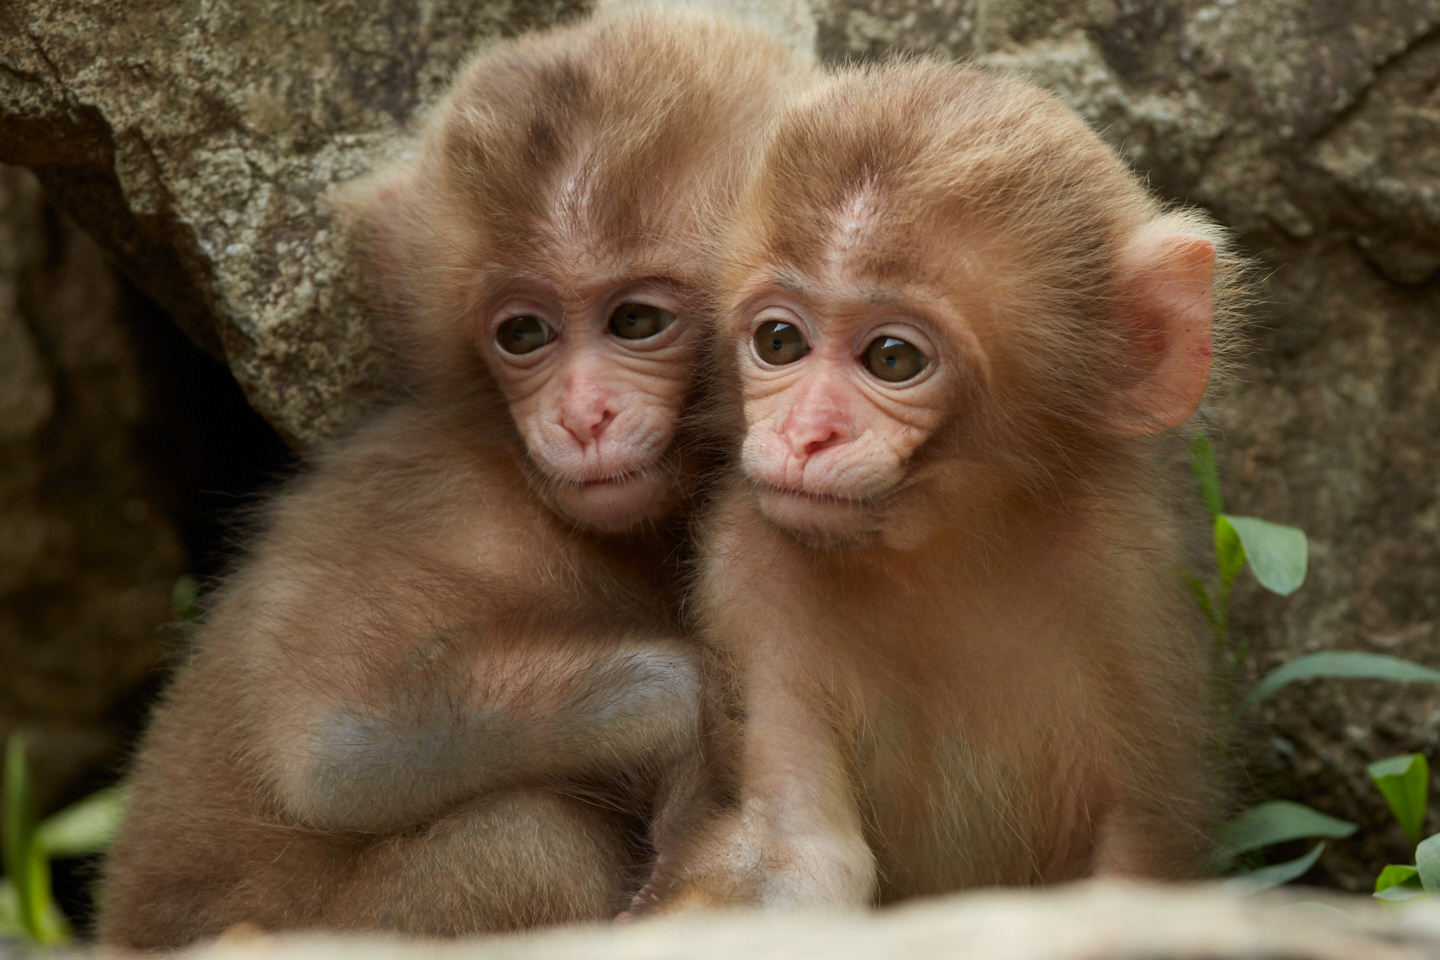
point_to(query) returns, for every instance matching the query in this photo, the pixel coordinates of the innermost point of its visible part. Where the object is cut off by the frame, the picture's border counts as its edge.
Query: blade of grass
(1202, 465)
(1276, 874)
(1349, 664)
(1276, 821)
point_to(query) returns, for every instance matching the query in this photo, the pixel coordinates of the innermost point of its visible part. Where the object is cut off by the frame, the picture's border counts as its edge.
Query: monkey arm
(796, 839)
(526, 720)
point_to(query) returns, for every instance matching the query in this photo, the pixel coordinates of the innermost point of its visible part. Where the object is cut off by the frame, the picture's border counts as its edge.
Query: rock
(87, 554)
(199, 146)
(1093, 921)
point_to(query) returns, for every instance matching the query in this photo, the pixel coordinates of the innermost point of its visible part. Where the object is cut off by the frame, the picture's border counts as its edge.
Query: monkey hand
(740, 859)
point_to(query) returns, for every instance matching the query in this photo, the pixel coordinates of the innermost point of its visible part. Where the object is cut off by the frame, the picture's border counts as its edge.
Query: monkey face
(839, 393)
(595, 377)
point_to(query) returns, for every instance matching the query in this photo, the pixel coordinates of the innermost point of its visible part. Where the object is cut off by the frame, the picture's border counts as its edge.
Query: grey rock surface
(198, 144)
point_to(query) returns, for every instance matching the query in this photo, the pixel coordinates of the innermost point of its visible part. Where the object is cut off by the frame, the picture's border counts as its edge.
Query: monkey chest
(950, 807)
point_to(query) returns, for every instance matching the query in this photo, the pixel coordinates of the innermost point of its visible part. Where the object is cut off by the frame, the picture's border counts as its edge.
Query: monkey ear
(1166, 303)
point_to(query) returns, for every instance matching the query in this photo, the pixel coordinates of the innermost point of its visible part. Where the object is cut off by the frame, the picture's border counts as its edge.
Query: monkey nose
(804, 445)
(809, 429)
(586, 426)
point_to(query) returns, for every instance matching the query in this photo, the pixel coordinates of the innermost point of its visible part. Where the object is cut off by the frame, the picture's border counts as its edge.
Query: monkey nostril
(586, 427)
(813, 447)
(806, 445)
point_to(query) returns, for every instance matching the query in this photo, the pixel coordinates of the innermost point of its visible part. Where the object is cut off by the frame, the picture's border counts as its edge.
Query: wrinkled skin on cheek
(826, 448)
(598, 419)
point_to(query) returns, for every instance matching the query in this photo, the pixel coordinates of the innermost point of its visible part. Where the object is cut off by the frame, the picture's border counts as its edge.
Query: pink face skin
(595, 375)
(841, 387)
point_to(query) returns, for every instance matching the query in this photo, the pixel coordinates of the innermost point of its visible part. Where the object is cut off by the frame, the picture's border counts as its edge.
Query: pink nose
(814, 424)
(806, 443)
(586, 422)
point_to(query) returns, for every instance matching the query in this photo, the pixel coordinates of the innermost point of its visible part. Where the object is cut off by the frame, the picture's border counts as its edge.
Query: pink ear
(1166, 300)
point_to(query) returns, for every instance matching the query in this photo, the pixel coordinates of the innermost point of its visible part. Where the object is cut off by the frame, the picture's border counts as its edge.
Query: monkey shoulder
(404, 481)
(390, 527)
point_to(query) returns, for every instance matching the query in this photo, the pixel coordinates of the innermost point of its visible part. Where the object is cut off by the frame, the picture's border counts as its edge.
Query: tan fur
(424, 701)
(985, 671)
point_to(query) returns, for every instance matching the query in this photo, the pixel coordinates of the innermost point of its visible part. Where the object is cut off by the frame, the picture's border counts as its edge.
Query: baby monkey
(446, 686)
(938, 589)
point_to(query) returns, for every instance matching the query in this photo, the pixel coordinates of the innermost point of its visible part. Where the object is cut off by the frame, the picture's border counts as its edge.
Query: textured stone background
(195, 143)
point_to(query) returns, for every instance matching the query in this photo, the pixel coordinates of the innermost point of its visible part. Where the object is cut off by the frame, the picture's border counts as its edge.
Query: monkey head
(548, 248)
(927, 318)
(595, 374)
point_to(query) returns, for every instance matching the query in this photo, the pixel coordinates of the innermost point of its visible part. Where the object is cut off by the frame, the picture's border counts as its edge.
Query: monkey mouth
(809, 495)
(613, 479)
(615, 502)
(815, 517)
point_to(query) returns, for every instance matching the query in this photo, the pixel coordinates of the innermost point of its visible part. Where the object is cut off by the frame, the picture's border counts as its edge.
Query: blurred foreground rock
(198, 145)
(1084, 922)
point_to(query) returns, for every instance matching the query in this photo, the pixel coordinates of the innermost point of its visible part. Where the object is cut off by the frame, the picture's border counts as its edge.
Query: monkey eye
(637, 321)
(894, 360)
(778, 343)
(523, 334)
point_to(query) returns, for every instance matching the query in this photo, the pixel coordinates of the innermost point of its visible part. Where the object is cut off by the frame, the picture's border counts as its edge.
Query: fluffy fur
(990, 674)
(425, 701)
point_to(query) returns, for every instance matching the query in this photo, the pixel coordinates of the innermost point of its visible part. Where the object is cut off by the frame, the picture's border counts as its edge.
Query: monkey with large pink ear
(448, 689)
(939, 587)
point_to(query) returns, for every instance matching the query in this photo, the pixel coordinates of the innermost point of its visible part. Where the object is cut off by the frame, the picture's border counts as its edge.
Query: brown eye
(636, 321)
(778, 343)
(893, 360)
(523, 334)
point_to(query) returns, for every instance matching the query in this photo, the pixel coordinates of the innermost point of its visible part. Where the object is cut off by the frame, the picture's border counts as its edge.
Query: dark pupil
(780, 343)
(894, 360)
(523, 334)
(636, 321)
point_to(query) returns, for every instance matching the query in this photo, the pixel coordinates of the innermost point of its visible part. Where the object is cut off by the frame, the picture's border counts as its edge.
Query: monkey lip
(615, 502)
(807, 494)
(610, 481)
(814, 514)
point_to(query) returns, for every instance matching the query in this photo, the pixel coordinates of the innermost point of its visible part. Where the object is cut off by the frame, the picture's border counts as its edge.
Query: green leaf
(1398, 894)
(1229, 550)
(1273, 876)
(1202, 464)
(1397, 875)
(1427, 863)
(1350, 664)
(86, 826)
(1277, 554)
(1405, 783)
(1276, 821)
